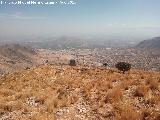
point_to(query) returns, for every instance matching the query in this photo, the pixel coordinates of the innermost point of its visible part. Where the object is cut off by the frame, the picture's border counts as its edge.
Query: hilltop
(79, 93)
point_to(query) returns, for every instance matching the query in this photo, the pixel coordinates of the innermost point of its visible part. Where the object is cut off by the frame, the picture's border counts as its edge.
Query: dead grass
(43, 116)
(149, 114)
(114, 95)
(153, 84)
(129, 114)
(141, 91)
(153, 100)
(38, 94)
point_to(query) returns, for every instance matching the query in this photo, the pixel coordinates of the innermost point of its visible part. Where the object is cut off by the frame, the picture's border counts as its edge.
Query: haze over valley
(91, 60)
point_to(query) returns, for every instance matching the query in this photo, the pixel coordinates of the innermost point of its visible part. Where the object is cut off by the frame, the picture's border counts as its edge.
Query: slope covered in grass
(79, 93)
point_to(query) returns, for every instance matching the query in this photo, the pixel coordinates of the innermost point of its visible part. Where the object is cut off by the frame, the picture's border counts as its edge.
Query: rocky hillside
(79, 93)
(153, 43)
(15, 56)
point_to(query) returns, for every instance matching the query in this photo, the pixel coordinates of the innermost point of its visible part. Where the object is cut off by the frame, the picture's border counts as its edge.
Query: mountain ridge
(153, 43)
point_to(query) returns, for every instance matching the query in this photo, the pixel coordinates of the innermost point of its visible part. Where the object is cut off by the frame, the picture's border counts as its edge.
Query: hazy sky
(140, 18)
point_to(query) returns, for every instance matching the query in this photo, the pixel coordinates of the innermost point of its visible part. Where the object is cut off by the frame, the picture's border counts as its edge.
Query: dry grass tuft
(127, 113)
(153, 84)
(43, 116)
(114, 95)
(141, 91)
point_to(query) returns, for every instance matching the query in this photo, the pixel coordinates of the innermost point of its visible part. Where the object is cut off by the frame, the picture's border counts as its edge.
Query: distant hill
(15, 56)
(152, 43)
(16, 51)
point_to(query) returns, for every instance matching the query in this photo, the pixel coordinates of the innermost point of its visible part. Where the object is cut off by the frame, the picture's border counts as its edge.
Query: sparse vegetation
(123, 66)
(72, 62)
(153, 84)
(79, 93)
(141, 91)
(105, 64)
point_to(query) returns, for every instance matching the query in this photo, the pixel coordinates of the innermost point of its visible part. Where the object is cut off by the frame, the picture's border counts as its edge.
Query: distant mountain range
(66, 42)
(152, 43)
